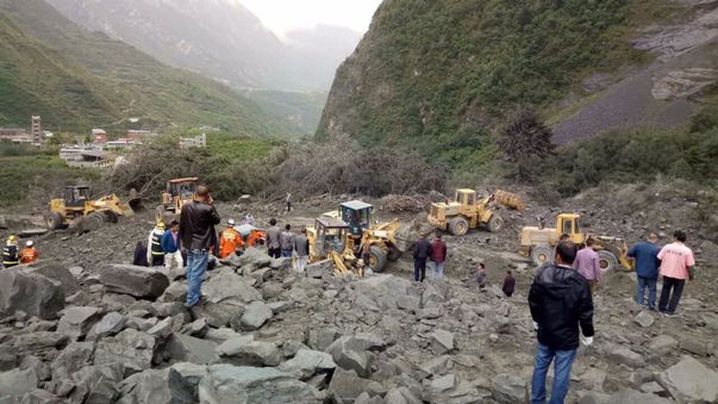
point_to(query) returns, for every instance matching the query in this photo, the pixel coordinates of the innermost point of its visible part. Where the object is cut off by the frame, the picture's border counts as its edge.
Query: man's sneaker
(667, 314)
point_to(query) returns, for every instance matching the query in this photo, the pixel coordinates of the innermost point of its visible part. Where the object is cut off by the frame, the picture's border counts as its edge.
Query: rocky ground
(83, 326)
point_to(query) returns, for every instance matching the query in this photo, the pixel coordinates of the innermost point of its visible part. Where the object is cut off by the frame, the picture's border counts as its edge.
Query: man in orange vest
(29, 254)
(230, 240)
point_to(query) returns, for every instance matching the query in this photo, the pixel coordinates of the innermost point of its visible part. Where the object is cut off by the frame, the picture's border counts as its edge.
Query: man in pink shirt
(587, 264)
(677, 264)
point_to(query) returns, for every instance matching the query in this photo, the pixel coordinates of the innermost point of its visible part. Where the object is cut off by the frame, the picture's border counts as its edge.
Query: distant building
(84, 156)
(16, 135)
(121, 143)
(99, 136)
(36, 130)
(139, 135)
(190, 142)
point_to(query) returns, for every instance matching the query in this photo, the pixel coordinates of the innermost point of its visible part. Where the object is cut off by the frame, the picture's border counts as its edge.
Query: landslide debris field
(83, 326)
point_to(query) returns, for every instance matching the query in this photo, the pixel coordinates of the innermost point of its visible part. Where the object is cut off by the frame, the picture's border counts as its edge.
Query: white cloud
(282, 16)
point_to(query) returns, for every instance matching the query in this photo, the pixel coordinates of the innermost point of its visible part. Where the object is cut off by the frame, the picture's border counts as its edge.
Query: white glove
(535, 326)
(587, 341)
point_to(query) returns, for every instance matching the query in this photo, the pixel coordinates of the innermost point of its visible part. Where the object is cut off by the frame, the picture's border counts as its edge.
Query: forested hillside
(78, 80)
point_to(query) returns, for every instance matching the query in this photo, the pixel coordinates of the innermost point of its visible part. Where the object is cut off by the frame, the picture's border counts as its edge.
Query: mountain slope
(442, 76)
(78, 80)
(220, 39)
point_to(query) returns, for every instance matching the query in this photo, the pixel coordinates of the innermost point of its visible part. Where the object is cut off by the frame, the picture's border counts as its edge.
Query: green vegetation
(77, 80)
(438, 76)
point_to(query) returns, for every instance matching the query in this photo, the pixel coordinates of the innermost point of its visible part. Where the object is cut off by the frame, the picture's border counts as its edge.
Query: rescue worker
(155, 255)
(230, 241)
(9, 252)
(29, 254)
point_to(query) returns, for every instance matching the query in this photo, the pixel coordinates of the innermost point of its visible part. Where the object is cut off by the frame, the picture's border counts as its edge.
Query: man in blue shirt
(645, 255)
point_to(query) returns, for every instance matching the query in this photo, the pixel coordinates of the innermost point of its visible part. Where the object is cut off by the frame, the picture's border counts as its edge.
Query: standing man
(230, 240)
(288, 200)
(587, 264)
(10, 252)
(645, 255)
(197, 234)
(560, 302)
(286, 241)
(171, 246)
(29, 254)
(273, 239)
(422, 249)
(677, 265)
(509, 284)
(301, 246)
(155, 255)
(438, 257)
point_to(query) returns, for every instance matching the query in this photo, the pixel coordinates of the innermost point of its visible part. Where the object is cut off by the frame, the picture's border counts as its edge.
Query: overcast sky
(282, 16)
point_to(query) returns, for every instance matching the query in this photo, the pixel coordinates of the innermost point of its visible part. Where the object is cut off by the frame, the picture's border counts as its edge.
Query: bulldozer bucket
(509, 199)
(135, 204)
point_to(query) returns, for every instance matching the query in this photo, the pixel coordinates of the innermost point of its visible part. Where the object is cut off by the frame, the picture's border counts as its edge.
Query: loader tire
(53, 221)
(92, 222)
(377, 259)
(495, 224)
(607, 261)
(111, 217)
(542, 254)
(458, 226)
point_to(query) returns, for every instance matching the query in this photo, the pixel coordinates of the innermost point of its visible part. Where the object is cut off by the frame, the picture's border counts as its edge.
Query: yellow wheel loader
(538, 242)
(343, 235)
(79, 211)
(177, 193)
(466, 211)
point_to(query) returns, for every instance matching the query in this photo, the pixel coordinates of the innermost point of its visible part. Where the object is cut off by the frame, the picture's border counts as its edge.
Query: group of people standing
(286, 243)
(433, 253)
(12, 255)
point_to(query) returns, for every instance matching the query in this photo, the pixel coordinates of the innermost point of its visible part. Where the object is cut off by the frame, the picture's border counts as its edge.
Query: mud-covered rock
(140, 282)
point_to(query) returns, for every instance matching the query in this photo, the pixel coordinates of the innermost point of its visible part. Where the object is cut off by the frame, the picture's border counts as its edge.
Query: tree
(525, 141)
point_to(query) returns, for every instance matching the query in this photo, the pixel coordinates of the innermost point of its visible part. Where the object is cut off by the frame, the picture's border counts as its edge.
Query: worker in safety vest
(155, 254)
(256, 238)
(9, 252)
(230, 241)
(29, 254)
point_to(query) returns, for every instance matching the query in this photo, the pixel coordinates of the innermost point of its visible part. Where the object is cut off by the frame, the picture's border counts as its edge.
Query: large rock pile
(268, 334)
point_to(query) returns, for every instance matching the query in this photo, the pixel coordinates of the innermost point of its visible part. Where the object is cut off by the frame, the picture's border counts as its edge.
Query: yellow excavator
(177, 193)
(342, 236)
(538, 242)
(79, 211)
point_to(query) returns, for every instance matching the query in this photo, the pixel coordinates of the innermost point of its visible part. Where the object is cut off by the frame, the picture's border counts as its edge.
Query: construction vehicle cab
(466, 211)
(357, 215)
(178, 192)
(328, 235)
(538, 242)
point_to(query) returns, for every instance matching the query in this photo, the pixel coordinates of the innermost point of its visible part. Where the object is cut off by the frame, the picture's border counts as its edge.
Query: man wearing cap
(29, 254)
(9, 252)
(230, 240)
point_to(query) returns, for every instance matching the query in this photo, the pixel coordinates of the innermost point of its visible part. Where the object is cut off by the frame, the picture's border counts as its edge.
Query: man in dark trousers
(645, 255)
(422, 249)
(274, 239)
(197, 235)
(560, 302)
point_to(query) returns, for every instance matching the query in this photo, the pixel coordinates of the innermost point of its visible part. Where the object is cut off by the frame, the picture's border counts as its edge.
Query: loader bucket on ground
(136, 205)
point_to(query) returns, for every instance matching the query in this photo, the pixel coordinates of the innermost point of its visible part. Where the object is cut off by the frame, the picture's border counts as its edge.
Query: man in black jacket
(421, 253)
(560, 302)
(197, 235)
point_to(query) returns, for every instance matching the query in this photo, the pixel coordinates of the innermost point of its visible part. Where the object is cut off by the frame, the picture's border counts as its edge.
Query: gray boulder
(197, 328)
(148, 386)
(443, 341)
(184, 379)
(17, 382)
(133, 349)
(71, 359)
(111, 324)
(627, 357)
(226, 285)
(40, 340)
(96, 384)
(255, 315)
(232, 384)
(55, 271)
(184, 348)
(140, 282)
(162, 329)
(318, 269)
(380, 292)
(306, 363)
(243, 351)
(628, 396)
(253, 258)
(663, 344)
(509, 388)
(346, 386)
(76, 321)
(644, 319)
(320, 339)
(690, 381)
(356, 352)
(34, 294)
